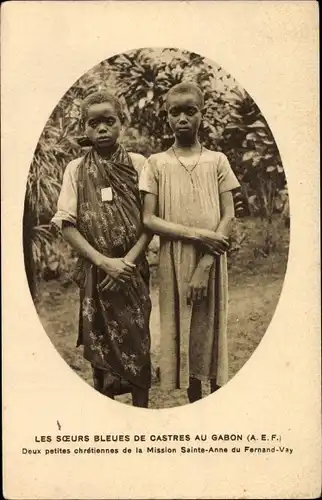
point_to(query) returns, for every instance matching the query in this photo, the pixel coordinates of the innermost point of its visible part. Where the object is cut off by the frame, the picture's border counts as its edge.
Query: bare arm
(116, 269)
(140, 246)
(224, 227)
(80, 244)
(162, 227)
(109, 283)
(198, 286)
(227, 211)
(214, 241)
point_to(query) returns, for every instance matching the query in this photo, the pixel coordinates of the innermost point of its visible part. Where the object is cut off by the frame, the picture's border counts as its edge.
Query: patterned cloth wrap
(113, 326)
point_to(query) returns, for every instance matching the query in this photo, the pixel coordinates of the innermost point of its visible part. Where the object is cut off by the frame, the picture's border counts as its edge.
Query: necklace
(183, 165)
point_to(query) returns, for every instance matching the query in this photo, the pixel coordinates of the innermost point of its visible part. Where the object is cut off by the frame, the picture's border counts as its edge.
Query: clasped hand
(118, 272)
(198, 286)
(215, 242)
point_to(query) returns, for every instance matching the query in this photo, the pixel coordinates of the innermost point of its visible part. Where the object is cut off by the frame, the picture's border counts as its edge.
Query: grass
(255, 283)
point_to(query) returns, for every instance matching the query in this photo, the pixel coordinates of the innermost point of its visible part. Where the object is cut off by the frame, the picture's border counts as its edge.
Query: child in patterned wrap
(99, 214)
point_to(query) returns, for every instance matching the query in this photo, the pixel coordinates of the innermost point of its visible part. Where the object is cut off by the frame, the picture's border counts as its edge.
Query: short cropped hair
(99, 97)
(185, 88)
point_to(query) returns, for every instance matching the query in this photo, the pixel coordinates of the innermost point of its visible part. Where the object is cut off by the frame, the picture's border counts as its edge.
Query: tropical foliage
(232, 123)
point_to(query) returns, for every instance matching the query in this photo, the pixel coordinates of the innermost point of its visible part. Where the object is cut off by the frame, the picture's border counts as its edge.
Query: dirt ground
(255, 283)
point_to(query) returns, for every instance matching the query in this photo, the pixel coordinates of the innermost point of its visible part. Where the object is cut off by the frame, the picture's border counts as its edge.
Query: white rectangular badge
(107, 194)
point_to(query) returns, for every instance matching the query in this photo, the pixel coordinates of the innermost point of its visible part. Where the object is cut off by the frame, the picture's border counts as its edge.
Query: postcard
(161, 305)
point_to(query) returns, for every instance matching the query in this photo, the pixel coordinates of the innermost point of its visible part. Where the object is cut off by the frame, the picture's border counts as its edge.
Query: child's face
(102, 125)
(184, 115)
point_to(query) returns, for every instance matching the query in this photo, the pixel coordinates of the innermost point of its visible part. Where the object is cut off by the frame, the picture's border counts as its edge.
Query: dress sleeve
(138, 162)
(226, 178)
(67, 201)
(148, 182)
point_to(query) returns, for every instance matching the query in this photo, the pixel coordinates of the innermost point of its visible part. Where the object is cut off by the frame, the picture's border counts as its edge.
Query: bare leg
(213, 385)
(194, 390)
(140, 397)
(109, 394)
(98, 379)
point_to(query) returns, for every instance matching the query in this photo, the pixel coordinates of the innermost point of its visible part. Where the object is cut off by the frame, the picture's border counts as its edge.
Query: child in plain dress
(188, 202)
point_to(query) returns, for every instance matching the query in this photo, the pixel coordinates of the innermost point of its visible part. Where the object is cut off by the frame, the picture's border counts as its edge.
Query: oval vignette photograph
(156, 227)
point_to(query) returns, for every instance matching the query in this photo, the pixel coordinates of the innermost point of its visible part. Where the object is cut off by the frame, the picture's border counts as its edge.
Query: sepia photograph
(160, 250)
(156, 227)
